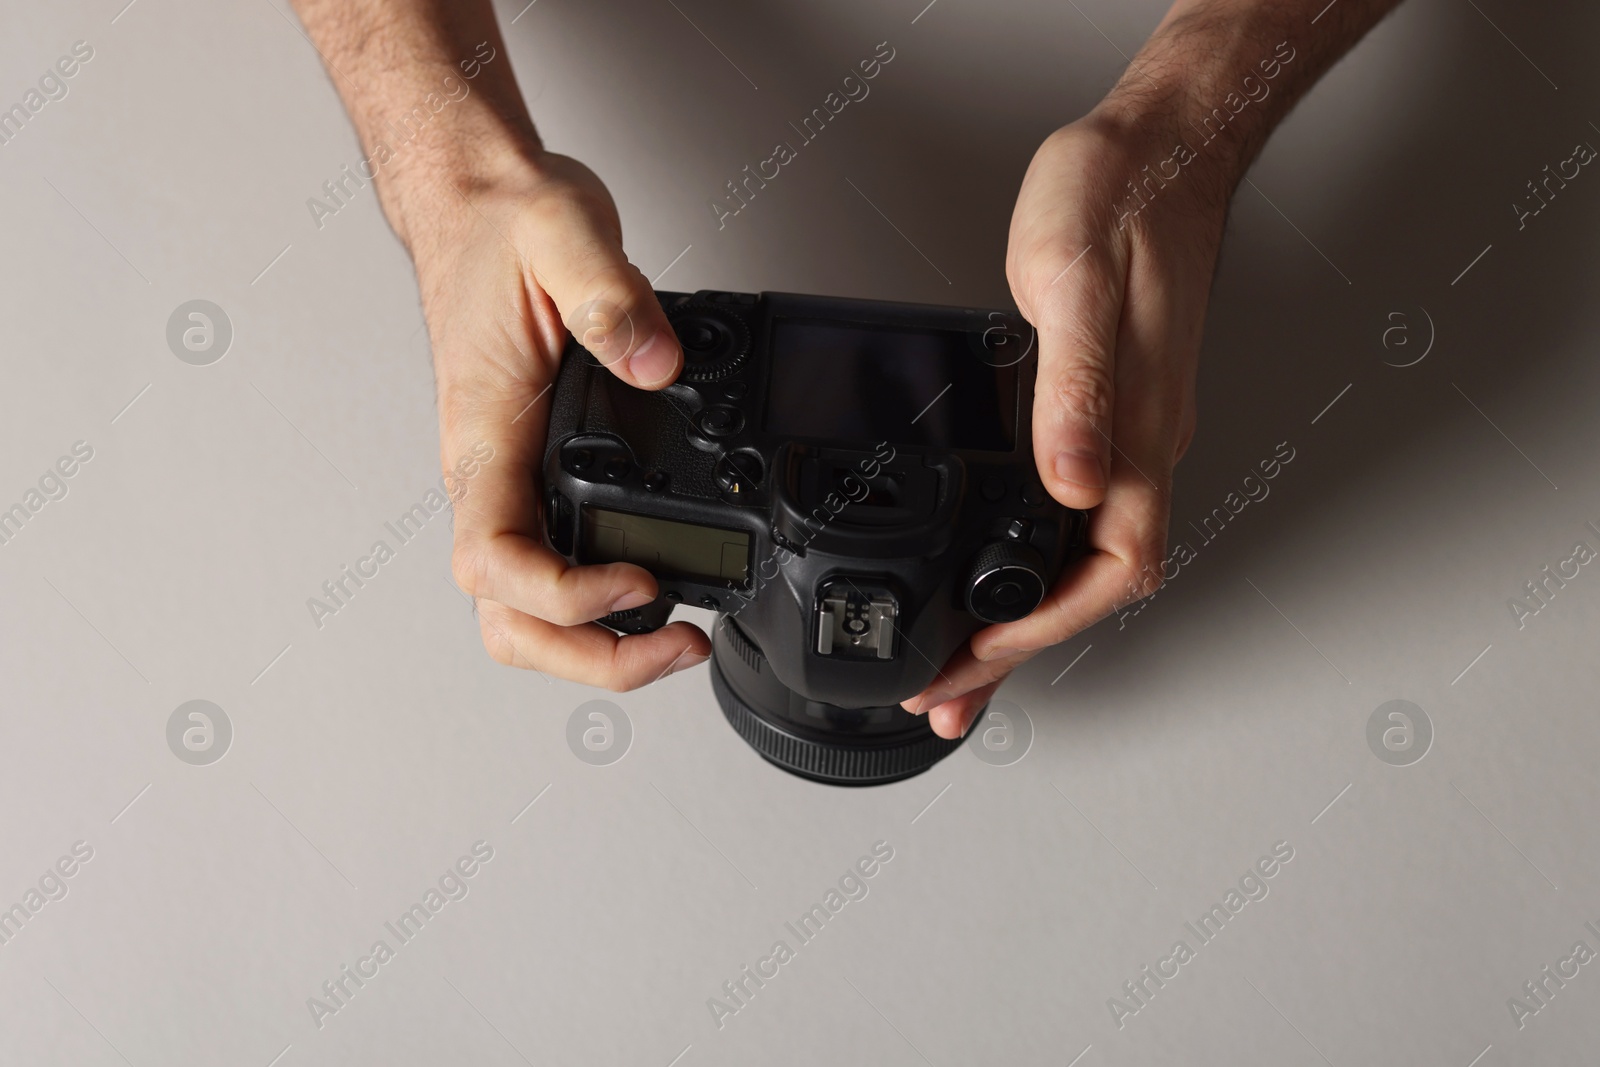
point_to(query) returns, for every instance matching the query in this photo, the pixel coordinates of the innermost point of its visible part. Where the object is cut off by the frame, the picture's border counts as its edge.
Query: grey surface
(368, 755)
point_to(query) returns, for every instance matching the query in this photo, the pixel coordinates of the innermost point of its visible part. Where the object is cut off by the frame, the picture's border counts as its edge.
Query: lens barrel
(822, 742)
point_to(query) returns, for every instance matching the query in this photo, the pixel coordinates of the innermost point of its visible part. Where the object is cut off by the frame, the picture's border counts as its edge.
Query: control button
(1007, 594)
(617, 468)
(721, 421)
(558, 521)
(739, 472)
(709, 601)
(698, 336)
(674, 596)
(1017, 529)
(735, 390)
(580, 461)
(1006, 582)
(1033, 494)
(993, 487)
(715, 341)
(655, 482)
(641, 620)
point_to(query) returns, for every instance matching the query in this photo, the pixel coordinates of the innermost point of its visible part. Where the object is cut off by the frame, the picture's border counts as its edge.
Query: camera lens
(822, 742)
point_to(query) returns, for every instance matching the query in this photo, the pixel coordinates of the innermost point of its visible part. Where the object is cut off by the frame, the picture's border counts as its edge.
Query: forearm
(1221, 74)
(431, 92)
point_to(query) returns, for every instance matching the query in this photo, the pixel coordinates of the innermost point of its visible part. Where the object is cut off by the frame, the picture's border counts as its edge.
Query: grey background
(369, 755)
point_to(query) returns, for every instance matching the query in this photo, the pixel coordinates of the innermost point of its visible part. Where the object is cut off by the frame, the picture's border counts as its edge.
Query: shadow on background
(1417, 183)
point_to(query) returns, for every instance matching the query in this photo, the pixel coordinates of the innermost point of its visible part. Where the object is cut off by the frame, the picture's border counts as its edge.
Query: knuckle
(496, 641)
(1083, 388)
(607, 310)
(1185, 437)
(1147, 580)
(1066, 283)
(616, 673)
(1058, 617)
(1018, 278)
(611, 279)
(592, 204)
(468, 566)
(633, 666)
(618, 682)
(561, 599)
(561, 611)
(1145, 563)
(543, 216)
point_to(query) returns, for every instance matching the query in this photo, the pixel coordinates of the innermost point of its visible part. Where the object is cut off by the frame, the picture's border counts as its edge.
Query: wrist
(426, 179)
(1205, 109)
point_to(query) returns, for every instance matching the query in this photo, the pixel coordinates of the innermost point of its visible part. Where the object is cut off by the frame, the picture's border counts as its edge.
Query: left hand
(1116, 287)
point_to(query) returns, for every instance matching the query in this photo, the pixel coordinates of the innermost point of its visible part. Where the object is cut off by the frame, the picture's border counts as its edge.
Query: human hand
(503, 260)
(511, 241)
(1116, 287)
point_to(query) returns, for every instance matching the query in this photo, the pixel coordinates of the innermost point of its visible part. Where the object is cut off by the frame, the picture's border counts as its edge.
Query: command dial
(715, 342)
(1005, 582)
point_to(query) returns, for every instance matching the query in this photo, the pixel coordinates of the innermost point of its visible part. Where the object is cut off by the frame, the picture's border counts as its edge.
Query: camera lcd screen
(862, 384)
(663, 546)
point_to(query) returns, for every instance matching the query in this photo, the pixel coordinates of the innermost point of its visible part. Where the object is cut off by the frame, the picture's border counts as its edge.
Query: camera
(850, 484)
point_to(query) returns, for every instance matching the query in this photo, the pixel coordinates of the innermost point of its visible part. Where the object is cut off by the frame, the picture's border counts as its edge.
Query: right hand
(503, 263)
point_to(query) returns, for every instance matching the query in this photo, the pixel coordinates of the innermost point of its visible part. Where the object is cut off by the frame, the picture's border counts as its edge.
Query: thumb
(609, 307)
(1076, 305)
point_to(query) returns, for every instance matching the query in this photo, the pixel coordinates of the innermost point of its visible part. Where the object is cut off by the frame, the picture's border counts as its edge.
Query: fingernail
(961, 730)
(630, 601)
(685, 662)
(653, 362)
(971, 717)
(1080, 467)
(929, 702)
(1000, 653)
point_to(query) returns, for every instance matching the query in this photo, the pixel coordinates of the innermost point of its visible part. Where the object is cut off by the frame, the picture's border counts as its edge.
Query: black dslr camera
(850, 484)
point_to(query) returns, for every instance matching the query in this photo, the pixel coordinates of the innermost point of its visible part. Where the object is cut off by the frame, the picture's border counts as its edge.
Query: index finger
(497, 441)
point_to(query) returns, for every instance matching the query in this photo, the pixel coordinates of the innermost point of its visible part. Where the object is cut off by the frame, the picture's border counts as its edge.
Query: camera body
(849, 483)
